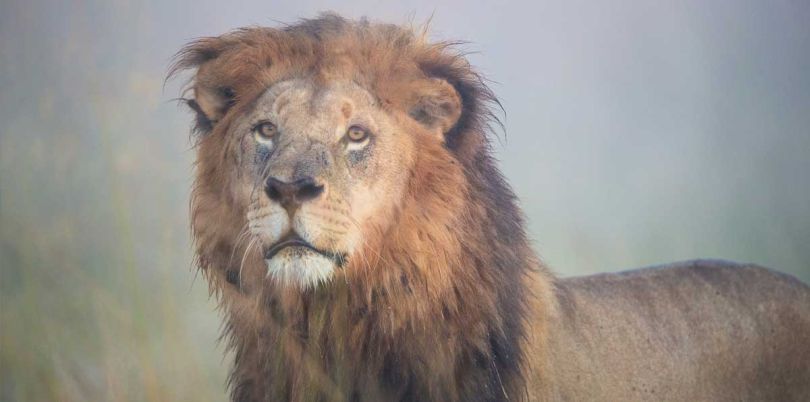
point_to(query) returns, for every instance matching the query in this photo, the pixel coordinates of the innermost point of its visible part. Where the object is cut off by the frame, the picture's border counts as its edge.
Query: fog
(635, 133)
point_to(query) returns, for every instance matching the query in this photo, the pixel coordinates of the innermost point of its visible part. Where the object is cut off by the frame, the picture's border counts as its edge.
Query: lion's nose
(292, 194)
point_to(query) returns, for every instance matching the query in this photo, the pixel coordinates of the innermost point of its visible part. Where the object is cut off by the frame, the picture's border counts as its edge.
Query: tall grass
(96, 295)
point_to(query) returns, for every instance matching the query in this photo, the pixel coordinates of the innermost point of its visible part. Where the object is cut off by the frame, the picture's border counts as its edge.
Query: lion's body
(696, 331)
(404, 272)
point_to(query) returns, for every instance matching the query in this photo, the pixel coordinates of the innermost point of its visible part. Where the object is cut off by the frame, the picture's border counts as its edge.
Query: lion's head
(317, 148)
(344, 198)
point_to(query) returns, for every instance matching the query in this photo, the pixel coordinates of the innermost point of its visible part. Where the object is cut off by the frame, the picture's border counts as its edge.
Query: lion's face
(318, 166)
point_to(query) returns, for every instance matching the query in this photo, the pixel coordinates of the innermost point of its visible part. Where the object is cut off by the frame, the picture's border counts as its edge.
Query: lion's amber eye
(265, 130)
(357, 134)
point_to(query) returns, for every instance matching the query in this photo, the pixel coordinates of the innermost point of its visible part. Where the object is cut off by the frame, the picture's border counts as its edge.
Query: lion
(351, 221)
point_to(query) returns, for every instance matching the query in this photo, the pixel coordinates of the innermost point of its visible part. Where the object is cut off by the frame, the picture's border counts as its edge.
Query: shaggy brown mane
(436, 309)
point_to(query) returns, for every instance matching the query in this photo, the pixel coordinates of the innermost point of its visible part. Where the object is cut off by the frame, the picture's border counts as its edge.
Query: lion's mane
(437, 310)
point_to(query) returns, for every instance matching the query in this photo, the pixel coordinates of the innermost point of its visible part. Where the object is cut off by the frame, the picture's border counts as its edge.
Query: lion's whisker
(241, 237)
(244, 256)
(366, 244)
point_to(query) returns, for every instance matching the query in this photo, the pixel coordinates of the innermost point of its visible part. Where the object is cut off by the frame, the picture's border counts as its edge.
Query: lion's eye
(265, 131)
(357, 134)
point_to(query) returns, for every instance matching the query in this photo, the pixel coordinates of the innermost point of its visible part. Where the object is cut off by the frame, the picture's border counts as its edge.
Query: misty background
(636, 133)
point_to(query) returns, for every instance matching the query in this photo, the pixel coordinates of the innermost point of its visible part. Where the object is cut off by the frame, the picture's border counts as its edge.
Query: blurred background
(636, 133)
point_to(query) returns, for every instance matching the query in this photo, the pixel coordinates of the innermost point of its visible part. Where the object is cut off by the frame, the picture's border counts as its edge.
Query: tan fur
(440, 297)
(692, 331)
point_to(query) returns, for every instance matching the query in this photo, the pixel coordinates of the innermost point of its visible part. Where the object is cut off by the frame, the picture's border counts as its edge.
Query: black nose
(291, 195)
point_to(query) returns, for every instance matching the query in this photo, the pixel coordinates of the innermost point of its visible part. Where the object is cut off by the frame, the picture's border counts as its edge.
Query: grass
(96, 295)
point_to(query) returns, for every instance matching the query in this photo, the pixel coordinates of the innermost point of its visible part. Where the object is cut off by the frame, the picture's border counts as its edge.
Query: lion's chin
(300, 267)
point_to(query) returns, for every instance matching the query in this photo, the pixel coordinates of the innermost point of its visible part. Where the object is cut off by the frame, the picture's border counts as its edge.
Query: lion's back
(698, 330)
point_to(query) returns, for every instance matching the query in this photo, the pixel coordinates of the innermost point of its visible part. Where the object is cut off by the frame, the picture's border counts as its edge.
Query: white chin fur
(300, 267)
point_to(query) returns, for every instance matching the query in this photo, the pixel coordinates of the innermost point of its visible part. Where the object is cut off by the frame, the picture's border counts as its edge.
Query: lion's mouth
(292, 239)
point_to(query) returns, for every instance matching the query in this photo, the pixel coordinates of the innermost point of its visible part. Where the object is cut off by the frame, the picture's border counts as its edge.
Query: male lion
(349, 217)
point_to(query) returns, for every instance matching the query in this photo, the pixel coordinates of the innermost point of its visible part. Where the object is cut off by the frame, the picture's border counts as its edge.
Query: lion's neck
(399, 336)
(398, 342)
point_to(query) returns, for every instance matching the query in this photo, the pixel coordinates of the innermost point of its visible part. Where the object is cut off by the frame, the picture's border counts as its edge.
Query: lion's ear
(436, 105)
(212, 95)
